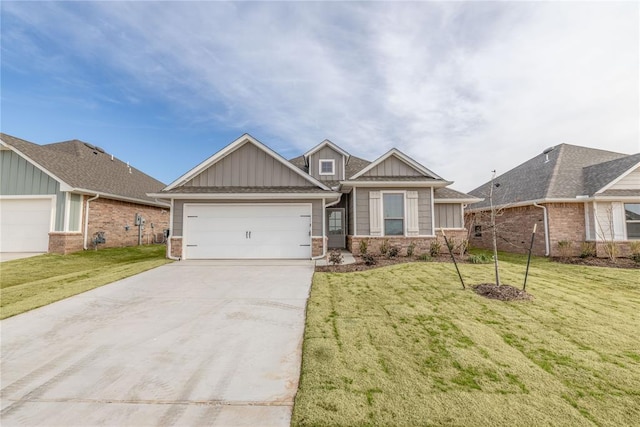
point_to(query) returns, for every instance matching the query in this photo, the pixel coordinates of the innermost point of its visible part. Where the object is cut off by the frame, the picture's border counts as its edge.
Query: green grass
(406, 346)
(29, 283)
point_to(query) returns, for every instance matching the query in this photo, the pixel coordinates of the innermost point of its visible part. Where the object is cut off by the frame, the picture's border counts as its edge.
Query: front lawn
(29, 283)
(406, 346)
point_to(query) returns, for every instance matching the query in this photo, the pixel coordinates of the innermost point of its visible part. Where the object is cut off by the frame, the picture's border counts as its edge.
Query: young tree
(494, 233)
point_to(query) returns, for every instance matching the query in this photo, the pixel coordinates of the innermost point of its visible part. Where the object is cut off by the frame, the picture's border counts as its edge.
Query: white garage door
(247, 231)
(25, 225)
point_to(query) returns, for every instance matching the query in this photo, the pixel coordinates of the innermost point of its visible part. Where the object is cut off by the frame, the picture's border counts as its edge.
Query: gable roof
(326, 143)
(85, 168)
(394, 152)
(557, 173)
(449, 195)
(598, 177)
(235, 145)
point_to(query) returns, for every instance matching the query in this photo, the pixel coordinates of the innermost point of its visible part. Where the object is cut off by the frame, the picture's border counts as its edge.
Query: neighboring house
(575, 194)
(247, 201)
(56, 197)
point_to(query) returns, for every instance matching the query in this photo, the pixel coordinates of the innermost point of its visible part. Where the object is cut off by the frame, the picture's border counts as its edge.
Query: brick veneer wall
(566, 223)
(65, 243)
(111, 216)
(514, 227)
(422, 244)
(317, 246)
(176, 247)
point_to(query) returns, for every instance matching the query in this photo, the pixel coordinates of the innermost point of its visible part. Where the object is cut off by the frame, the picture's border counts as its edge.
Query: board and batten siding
(326, 153)
(448, 215)
(392, 167)
(248, 166)
(424, 209)
(316, 211)
(629, 182)
(18, 177)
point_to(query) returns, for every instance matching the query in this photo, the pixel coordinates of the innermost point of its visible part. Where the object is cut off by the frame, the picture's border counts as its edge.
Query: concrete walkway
(347, 258)
(190, 343)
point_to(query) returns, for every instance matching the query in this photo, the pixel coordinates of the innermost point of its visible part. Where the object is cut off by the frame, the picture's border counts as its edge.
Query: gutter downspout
(86, 221)
(547, 248)
(324, 221)
(173, 258)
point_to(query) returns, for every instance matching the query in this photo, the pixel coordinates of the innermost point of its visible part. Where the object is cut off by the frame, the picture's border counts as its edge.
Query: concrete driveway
(190, 343)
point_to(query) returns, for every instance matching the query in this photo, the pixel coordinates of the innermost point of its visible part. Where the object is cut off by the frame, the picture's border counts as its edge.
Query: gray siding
(448, 215)
(393, 167)
(75, 210)
(424, 209)
(326, 153)
(316, 211)
(425, 222)
(248, 166)
(18, 177)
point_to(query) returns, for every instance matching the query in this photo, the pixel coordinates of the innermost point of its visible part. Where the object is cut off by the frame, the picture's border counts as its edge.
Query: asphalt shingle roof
(449, 194)
(83, 166)
(562, 173)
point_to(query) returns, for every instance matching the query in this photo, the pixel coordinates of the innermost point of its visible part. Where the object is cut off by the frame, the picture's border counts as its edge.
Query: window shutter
(375, 223)
(413, 228)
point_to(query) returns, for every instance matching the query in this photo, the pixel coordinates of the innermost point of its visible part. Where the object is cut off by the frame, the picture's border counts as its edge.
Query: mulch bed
(380, 262)
(502, 292)
(598, 262)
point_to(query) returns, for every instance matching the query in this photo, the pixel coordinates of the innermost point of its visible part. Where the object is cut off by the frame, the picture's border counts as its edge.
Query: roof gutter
(546, 228)
(86, 220)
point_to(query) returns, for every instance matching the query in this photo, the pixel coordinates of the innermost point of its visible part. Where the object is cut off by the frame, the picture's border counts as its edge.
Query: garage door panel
(25, 225)
(247, 231)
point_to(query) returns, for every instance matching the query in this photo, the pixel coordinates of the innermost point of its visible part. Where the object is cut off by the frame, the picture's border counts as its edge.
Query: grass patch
(404, 345)
(33, 282)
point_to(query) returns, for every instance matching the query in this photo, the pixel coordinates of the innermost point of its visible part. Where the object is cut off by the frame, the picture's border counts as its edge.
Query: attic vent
(99, 149)
(546, 153)
(90, 146)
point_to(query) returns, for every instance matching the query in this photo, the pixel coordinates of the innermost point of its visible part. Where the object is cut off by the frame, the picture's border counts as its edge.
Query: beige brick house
(58, 197)
(575, 195)
(247, 201)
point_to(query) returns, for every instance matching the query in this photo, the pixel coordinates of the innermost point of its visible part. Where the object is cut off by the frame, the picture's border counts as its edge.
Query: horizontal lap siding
(424, 209)
(316, 211)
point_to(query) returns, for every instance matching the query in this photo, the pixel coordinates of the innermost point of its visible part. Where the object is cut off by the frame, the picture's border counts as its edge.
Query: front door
(336, 232)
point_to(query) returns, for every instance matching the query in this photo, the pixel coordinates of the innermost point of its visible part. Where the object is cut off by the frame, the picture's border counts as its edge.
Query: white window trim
(404, 215)
(333, 166)
(626, 222)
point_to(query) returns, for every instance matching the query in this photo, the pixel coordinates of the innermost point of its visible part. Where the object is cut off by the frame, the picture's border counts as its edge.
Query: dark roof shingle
(84, 166)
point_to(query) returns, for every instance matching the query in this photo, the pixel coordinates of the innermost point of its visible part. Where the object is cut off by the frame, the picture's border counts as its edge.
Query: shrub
(393, 252)
(364, 245)
(635, 251)
(463, 246)
(384, 247)
(368, 259)
(434, 248)
(587, 249)
(411, 248)
(564, 248)
(451, 244)
(424, 257)
(480, 259)
(335, 257)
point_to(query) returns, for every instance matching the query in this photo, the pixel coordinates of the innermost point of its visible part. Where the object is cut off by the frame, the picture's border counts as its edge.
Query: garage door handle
(249, 234)
(246, 234)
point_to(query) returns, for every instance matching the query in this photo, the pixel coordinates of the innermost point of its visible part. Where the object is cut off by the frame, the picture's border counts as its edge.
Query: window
(393, 214)
(327, 166)
(632, 217)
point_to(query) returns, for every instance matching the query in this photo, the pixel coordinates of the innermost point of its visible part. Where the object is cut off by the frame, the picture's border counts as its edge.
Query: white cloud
(463, 87)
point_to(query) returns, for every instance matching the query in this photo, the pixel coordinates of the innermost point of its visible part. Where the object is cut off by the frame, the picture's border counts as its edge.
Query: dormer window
(327, 167)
